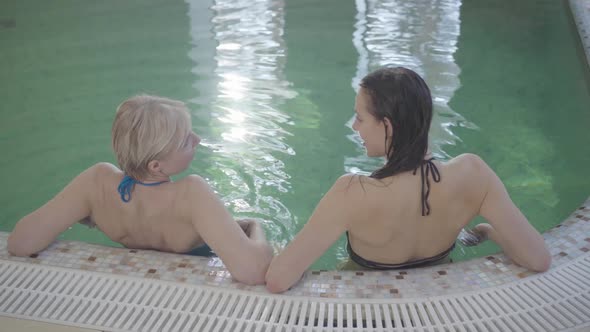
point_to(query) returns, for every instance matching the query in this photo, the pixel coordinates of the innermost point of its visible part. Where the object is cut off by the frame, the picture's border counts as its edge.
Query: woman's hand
(475, 236)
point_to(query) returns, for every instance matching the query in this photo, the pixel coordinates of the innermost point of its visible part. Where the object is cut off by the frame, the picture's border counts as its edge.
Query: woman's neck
(155, 178)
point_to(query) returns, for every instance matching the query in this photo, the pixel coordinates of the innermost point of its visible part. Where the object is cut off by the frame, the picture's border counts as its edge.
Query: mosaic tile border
(567, 241)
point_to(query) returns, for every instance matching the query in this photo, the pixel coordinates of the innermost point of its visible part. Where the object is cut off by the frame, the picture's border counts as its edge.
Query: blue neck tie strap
(127, 184)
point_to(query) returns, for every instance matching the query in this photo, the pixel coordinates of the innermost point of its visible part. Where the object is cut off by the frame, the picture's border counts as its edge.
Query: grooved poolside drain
(556, 300)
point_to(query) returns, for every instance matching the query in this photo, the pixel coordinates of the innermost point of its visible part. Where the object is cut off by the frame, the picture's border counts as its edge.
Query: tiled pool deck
(568, 241)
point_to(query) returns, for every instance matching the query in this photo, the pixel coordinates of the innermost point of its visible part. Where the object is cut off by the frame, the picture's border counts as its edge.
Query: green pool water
(271, 88)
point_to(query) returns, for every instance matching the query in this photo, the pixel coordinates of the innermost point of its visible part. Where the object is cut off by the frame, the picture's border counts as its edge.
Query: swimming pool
(271, 85)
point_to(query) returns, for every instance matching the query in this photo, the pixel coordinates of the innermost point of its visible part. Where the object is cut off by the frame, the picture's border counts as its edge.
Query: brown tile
(151, 271)
(399, 277)
(442, 273)
(562, 254)
(584, 249)
(337, 278)
(182, 265)
(315, 273)
(403, 273)
(360, 273)
(91, 259)
(394, 291)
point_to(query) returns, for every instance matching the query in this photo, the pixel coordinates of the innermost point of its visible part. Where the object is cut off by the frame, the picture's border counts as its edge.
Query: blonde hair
(148, 128)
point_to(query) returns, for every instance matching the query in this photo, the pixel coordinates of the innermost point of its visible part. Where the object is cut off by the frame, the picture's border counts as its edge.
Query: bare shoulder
(350, 184)
(97, 173)
(471, 175)
(468, 160)
(103, 173)
(352, 190)
(194, 181)
(353, 198)
(469, 164)
(98, 177)
(193, 186)
(105, 169)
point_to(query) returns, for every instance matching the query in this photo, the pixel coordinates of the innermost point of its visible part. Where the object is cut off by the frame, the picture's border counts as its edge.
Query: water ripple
(247, 128)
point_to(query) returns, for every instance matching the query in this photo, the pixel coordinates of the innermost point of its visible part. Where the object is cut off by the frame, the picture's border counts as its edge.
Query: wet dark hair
(400, 95)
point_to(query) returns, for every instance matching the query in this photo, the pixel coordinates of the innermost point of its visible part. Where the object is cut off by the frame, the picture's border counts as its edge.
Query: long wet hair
(400, 95)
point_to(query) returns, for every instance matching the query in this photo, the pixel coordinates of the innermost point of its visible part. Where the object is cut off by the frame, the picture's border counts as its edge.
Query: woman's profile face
(179, 160)
(370, 129)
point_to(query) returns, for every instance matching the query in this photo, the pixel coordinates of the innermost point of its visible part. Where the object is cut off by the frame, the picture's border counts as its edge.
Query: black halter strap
(427, 167)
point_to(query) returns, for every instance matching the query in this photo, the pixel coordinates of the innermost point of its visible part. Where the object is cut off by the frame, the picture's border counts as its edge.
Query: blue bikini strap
(127, 184)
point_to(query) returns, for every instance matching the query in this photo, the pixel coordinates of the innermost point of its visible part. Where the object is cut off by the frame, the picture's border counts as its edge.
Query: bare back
(394, 229)
(155, 218)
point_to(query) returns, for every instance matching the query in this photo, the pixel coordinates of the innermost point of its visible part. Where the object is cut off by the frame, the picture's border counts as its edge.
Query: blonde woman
(140, 206)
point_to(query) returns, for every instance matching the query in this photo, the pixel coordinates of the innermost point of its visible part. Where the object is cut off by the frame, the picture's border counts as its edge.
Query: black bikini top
(427, 168)
(389, 266)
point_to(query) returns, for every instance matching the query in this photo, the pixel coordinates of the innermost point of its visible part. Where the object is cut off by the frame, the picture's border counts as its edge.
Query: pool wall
(581, 13)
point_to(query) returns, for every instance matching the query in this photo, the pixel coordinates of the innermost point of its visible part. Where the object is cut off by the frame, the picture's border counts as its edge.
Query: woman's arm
(40, 228)
(508, 227)
(330, 219)
(245, 256)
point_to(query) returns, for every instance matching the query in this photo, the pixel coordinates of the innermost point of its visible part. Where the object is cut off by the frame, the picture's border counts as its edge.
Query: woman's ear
(388, 127)
(154, 167)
